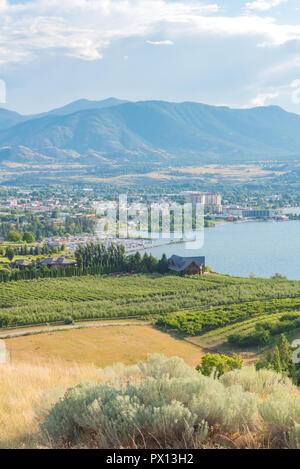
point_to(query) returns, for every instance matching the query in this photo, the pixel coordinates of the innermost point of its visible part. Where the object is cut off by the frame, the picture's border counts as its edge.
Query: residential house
(56, 262)
(187, 265)
(21, 264)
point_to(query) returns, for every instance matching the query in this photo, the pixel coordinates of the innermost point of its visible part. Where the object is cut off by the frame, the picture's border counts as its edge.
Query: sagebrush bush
(47, 399)
(281, 411)
(261, 382)
(119, 371)
(163, 403)
(169, 402)
(294, 437)
(157, 366)
(129, 413)
(231, 409)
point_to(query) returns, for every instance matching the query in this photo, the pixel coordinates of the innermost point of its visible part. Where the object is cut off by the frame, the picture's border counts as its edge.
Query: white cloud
(251, 25)
(263, 5)
(85, 28)
(295, 93)
(262, 98)
(288, 92)
(2, 91)
(161, 43)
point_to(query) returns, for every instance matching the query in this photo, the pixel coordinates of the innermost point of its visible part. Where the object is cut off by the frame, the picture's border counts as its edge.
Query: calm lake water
(263, 248)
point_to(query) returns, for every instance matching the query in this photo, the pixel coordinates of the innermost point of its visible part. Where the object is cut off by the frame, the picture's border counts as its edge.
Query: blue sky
(240, 53)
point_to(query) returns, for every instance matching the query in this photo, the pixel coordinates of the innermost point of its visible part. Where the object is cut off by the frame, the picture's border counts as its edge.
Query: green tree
(28, 237)
(282, 361)
(221, 364)
(55, 213)
(14, 236)
(276, 361)
(285, 352)
(163, 266)
(278, 276)
(10, 253)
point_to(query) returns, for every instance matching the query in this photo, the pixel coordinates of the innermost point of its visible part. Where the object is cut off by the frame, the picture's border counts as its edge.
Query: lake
(262, 248)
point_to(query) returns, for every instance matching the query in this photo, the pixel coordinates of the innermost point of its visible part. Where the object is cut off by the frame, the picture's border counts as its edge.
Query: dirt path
(40, 330)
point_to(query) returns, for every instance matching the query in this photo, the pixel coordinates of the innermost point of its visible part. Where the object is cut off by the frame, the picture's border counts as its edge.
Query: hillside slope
(82, 105)
(9, 118)
(177, 133)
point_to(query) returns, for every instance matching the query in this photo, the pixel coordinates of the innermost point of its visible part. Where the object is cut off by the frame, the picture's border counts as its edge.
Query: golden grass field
(22, 385)
(101, 346)
(64, 358)
(215, 173)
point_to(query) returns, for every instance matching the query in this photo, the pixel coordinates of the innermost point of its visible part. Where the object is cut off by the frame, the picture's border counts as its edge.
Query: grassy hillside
(50, 300)
(165, 404)
(22, 386)
(101, 346)
(43, 366)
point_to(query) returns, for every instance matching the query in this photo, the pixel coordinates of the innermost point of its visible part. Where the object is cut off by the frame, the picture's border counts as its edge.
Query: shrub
(281, 361)
(121, 414)
(294, 437)
(28, 237)
(281, 412)
(193, 323)
(258, 337)
(165, 403)
(68, 320)
(219, 364)
(275, 326)
(290, 316)
(262, 382)
(14, 236)
(170, 405)
(232, 409)
(10, 253)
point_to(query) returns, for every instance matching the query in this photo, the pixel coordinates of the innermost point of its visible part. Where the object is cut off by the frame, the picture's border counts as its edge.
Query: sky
(238, 53)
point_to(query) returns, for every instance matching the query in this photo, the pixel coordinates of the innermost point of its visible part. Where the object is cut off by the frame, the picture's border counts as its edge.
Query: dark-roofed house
(21, 264)
(187, 265)
(56, 262)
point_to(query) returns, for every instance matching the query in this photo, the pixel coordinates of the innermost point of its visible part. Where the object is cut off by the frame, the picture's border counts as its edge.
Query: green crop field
(193, 323)
(245, 327)
(40, 301)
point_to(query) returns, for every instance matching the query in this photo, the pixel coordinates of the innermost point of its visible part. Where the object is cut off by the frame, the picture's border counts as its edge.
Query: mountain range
(116, 132)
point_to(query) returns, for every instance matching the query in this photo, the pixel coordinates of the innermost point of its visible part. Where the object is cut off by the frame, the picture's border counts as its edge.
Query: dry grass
(239, 172)
(100, 346)
(45, 361)
(216, 342)
(21, 386)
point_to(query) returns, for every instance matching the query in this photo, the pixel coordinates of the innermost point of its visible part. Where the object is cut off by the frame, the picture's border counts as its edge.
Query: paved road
(39, 330)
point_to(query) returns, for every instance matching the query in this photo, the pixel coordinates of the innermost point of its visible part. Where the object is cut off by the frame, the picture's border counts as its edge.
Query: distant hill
(9, 118)
(82, 105)
(176, 133)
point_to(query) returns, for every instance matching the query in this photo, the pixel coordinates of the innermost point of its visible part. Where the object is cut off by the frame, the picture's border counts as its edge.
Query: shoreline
(219, 223)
